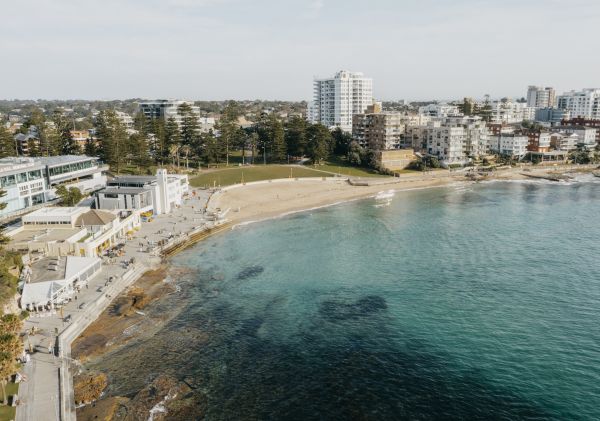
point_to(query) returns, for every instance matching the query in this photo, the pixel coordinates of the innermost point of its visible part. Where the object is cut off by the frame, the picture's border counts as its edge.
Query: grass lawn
(8, 412)
(340, 165)
(228, 176)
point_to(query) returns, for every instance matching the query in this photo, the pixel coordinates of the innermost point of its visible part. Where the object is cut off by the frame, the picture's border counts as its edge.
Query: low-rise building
(50, 283)
(513, 145)
(158, 194)
(593, 123)
(539, 141)
(586, 135)
(563, 141)
(79, 231)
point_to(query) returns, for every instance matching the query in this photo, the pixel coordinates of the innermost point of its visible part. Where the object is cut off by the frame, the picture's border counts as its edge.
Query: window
(22, 177)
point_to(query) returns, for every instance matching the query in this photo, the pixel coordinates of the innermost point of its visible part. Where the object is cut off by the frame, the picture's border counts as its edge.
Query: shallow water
(473, 302)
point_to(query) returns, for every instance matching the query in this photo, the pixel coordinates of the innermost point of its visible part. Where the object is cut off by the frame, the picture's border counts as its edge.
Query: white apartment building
(514, 145)
(456, 140)
(336, 100)
(510, 112)
(584, 103)
(540, 97)
(440, 110)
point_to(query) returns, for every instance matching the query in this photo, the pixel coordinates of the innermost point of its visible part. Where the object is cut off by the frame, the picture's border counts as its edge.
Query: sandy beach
(259, 201)
(264, 200)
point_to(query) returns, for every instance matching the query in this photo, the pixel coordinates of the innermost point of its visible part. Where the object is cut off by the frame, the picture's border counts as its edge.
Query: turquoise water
(466, 302)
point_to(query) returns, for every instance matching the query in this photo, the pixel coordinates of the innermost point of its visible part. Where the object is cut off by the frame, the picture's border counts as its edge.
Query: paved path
(49, 377)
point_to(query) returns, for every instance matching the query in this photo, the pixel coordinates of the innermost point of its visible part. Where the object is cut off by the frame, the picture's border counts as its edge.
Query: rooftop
(96, 217)
(64, 159)
(124, 190)
(41, 235)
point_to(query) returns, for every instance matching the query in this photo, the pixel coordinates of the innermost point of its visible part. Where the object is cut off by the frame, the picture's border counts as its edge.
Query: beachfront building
(456, 140)
(336, 100)
(592, 123)
(86, 173)
(78, 231)
(540, 97)
(539, 141)
(25, 184)
(50, 283)
(379, 130)
(563, 141)
(30, 183)
(586, 135)
(583, 104)
(156, 194)
(512, 145)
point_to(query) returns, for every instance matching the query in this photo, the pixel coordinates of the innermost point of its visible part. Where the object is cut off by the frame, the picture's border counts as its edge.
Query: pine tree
(172, 138)
(319, 142)
(113, 139)
(67, 145)
(7, 143)
(295, 136)
(228, 128)
(277, 141)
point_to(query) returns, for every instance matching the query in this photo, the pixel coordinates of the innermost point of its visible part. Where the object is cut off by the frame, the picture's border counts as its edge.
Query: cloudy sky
(272, 49)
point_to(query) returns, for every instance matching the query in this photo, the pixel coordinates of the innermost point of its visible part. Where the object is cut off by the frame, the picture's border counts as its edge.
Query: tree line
(182, 143)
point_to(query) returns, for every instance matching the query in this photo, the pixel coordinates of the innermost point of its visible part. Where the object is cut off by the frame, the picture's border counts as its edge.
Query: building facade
(379, 131)
(513, 144)
(336, 100)
(540, 97)
(157, 194)
(582, 104)
(31, 182)
(457, 140)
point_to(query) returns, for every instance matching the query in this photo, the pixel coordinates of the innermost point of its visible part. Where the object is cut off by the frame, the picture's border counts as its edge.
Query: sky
(272, 49)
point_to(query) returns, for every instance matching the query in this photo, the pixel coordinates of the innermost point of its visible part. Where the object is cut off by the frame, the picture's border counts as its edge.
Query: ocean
(472, 301)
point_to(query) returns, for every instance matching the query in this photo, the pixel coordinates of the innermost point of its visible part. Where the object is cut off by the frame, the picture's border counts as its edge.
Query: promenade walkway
(47, 394)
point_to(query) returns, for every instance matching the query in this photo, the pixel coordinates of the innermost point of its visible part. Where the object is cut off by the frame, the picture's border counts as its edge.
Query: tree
(67, 145)
(277, 139)
(190, 128)
(7, 143)
(69, 197)
(172, 138)
(341, 141)
(355, 153)
(113, 138)
(319, 141)
(210, 148)
(295, 136)
(229, 128)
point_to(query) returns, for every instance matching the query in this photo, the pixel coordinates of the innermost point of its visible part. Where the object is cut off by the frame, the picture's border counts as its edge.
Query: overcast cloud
(271, 49)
